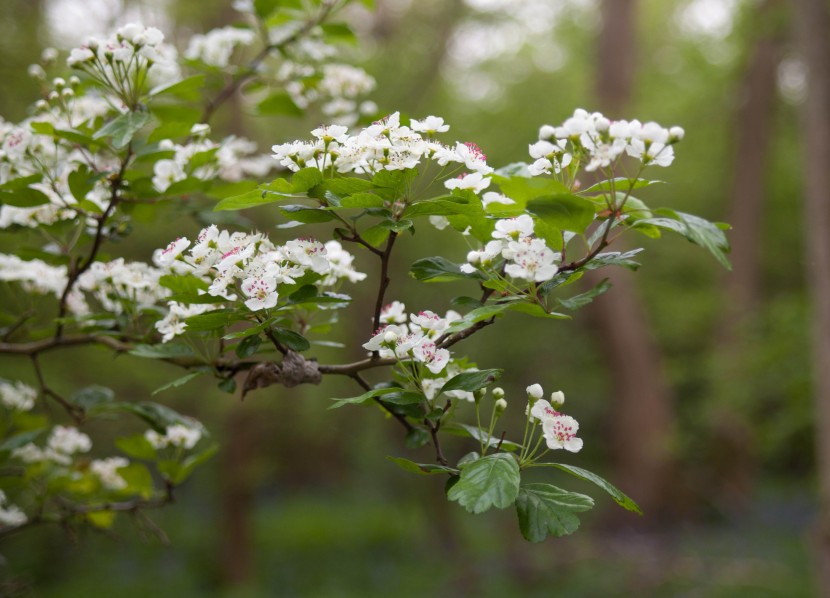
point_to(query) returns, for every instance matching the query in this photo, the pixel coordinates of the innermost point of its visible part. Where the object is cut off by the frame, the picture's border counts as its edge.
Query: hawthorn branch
(367, 387)
(384, 278)
(78, 268)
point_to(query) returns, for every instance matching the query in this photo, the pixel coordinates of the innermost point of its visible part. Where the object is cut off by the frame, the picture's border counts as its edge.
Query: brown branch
(77, 269)
(384, 278)
(76, 412)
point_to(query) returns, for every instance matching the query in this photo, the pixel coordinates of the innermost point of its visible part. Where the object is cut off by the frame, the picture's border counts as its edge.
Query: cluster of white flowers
(598, 141)
(337, 87)
(63, 442)
(26, 153)
(17, 396)
(527, 257)
(134, 52)
(178, 435)
(107, 471)
(10, 515)
(558, 430)
(215, 47)
(416, 341)
(383, 145)
(231, 160)
(36, 276)
(116, 282)
(250, 264)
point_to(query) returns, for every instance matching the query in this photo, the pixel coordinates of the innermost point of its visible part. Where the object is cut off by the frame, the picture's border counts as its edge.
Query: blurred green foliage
(326, 523)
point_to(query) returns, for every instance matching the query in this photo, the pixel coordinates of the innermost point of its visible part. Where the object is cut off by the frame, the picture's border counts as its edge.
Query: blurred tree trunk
(813, 23)
(642, 413)
(754, 117)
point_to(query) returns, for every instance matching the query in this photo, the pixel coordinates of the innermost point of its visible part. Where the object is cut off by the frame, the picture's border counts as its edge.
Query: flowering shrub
(122, 134)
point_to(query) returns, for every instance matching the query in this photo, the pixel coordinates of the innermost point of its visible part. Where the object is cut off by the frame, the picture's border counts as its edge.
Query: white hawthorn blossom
(106, 470)
(17, 395)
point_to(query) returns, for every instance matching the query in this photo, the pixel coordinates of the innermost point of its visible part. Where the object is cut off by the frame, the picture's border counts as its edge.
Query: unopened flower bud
(498, 393)
(53, 96)
(602, 124)
(67, 93)
(547, 132)
(74, 81)
(535, 392)
(557, 399)
(49, 55)
(390, 337)
(41, 105)
(479, 394)
(474, 257)
(500, 406)
(676, 134)
(59, 82)
(36, 72)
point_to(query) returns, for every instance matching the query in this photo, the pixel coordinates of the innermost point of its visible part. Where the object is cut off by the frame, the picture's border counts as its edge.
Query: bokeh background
(693, 386)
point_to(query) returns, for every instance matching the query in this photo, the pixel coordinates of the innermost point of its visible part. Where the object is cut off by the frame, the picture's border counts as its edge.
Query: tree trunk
(642, 413)
(813, 22)
(732, 432)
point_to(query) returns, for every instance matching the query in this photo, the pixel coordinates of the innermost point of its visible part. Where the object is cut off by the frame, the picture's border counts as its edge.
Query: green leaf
(305, 179)
(293, 340)
(183, 284)
(249, 199)
(492, 481)
(523, 189)
(18, 440)
(377, 392)
(697, 230)
(443, 206)
(619, 497)
(437, 269)
(306, 214)
(614, 258)
(421, 468)
(24, 197)
(585, 298)
(191, 88)
(472, 381)
(158, 416)
(459, 429)
(402, 397)
(416, 438)
(212, 320)
(137, 447)
(375, 235)
(189, 464)
(92, 396)
(177, 382)
(362, 200)
(484, 312)
(279, 103)
(345, 186)
(138, 478)
(247, 347)
(547, 510)
(164, 351)
(535, 310)
(620, 184)
(123, 128)
(564, 211)
(21, 183)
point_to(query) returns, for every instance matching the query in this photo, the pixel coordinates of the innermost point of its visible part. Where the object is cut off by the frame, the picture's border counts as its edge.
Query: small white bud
(602, 124)
(474, 257)
(557, 399)
(498, 393)
(676, 134)
(390, 337)
(59, 82)
(547, 132)
(36, 72)
(534, 391)
(500, 406)
(74, 81)
(49, 55)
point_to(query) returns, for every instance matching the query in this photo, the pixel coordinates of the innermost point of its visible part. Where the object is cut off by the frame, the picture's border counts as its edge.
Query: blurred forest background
(693, 386)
